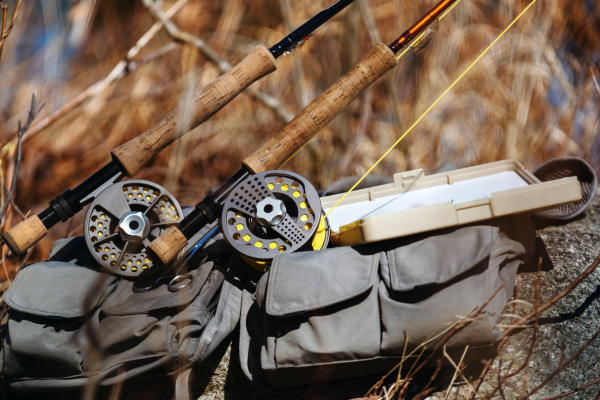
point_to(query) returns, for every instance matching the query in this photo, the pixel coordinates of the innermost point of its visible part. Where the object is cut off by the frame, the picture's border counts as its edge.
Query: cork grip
(21, 237)
(321, 111)
(165, 248)
(134, 154)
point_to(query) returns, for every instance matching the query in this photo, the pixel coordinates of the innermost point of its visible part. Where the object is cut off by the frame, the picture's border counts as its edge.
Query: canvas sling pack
(65, 307)
(345, 313)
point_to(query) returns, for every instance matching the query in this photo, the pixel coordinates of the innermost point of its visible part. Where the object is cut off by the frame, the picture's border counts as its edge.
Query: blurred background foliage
(531, 98)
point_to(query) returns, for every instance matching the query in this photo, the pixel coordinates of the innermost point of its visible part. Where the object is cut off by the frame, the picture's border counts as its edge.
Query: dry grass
(532, 98)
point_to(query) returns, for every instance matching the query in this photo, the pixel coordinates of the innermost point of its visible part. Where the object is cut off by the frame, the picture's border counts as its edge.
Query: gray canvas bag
(345, 313)
(65, 307)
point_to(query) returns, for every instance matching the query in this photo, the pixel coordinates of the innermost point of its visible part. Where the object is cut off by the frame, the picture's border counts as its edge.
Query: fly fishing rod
(129, 158)
(263, 212)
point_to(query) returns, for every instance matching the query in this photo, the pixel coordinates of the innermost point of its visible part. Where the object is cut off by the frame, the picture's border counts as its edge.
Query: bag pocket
(428, 283)
(51, 302)
(156, 323)
(321, 308)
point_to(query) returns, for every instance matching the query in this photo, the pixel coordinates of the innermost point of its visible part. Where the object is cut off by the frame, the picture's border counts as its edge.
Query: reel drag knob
(134, 226)
(270, 212)
(122, 221)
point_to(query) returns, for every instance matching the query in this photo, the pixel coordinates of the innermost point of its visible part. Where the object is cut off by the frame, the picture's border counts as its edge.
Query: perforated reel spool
(123, 220)
(255, 225)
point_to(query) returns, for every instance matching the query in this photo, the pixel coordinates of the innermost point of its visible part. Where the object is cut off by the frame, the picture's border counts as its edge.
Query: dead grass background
(531, 98)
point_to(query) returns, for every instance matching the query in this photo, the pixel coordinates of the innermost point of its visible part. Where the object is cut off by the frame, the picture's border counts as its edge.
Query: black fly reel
(123, 220)
(273, 213)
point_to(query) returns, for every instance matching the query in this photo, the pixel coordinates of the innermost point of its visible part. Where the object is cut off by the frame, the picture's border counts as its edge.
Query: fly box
(416, 203)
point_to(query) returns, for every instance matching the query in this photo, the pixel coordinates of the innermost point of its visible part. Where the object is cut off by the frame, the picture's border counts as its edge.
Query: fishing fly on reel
(123, 220)
(273, 213)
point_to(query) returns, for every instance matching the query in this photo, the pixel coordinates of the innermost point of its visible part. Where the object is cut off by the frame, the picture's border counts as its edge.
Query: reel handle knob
(134, 154)
(321, 111)
(22, 236)
(164, 249)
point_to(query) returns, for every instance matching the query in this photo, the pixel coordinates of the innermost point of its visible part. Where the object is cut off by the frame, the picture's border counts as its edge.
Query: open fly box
(416, 203)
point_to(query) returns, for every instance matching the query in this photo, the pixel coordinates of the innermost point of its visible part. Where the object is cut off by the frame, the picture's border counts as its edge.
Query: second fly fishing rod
(249, 195)
(129, 158)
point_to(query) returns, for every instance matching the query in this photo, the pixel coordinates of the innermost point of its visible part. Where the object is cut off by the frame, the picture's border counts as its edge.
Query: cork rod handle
(321, 111)
(21, 237)
(165, 248)
(134, 154)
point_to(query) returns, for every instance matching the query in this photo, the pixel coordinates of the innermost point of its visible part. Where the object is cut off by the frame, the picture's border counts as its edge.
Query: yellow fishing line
(433, 105)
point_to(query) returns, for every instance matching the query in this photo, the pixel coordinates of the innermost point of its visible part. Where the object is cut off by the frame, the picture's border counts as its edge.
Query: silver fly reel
(272, 213)
(123, 220)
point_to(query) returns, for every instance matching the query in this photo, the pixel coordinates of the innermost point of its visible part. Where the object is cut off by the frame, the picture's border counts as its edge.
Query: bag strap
(182, 385)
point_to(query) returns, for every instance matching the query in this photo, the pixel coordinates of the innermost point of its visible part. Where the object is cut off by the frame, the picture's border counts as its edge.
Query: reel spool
(273, 213)
(123, 220)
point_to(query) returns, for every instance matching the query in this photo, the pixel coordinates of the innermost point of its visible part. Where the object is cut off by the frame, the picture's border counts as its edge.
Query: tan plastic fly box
(416, 203)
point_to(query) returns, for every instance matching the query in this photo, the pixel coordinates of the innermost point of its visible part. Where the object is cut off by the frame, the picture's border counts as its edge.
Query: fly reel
(273, 213)
(123, 220)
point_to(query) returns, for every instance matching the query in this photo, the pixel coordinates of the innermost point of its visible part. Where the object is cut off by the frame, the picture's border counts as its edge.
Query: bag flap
(307, 281)
(57, 289)
(418, 261)
(125, 302)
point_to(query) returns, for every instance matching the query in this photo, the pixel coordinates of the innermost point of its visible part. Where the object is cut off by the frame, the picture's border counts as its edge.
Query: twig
(512, 320)
(25, 259)
(284, 114)
(513, 387)
(12, 202)
(558, 396)
(540, 309)
(22, 129)
(456, 369)
(499, 376)
(124, 67)
(563, 365)
(594, 78)
(425, 392)
(4, 264)
(4, 34)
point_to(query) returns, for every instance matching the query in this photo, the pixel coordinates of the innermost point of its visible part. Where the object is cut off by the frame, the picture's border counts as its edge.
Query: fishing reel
(273, 213)
(123, 220)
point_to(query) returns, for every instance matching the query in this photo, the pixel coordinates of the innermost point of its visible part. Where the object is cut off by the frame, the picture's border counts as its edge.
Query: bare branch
(33, 112)
(120, 70)
(594, 78)
(4, 34)
(563, 365)
(284, 114)
(532, 314)
(558, 396)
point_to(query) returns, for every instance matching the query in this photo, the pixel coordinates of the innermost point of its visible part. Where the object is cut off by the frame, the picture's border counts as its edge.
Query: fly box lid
(416, 203)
